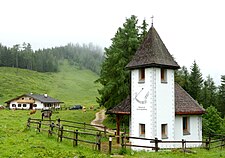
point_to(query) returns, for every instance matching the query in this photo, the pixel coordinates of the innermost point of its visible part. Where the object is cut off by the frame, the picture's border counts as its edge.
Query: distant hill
(70, 85)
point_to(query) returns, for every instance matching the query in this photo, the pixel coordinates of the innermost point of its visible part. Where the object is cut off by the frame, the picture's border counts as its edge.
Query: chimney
(46, 95)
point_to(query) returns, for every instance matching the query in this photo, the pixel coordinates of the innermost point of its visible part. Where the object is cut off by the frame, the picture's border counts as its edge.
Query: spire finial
(152, 19)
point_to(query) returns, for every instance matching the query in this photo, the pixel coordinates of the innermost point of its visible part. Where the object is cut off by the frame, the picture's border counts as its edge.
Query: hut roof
(122, 108)
(184, 104)
(42, 98)
(152, 53)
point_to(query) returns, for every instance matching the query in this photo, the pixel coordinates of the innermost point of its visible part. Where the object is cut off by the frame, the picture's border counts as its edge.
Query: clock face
(141, 97)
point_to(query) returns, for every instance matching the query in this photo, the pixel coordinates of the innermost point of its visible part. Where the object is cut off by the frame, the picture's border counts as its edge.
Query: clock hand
(138, 93)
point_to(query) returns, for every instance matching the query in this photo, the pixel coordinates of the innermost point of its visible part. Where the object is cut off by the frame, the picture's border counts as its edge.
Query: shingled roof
(41, 98)
(184, 104)
(122, 108)
(152, 53)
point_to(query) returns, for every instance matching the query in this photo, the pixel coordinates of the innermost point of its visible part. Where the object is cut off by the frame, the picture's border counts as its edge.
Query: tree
(113, 76)
(221, 97)
(212, 121)
(208, 94)
(144, 30)
(196, 80)
(182, 77)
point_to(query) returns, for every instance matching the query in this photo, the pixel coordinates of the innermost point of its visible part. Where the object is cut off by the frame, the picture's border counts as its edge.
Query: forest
(47, 60)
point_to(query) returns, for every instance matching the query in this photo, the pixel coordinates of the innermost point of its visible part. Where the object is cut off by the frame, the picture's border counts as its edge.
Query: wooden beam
(118, 128)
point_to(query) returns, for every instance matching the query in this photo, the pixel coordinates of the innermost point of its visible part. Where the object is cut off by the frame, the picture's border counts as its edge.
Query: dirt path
(99, 118)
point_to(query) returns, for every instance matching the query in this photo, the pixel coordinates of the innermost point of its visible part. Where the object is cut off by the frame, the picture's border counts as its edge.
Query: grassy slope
(16, 141)
(70, 85)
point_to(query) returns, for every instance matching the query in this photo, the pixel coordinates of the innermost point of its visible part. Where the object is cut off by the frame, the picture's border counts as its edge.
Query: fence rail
(208, 143)
(66, 123)
(56, 127)
(65, 129)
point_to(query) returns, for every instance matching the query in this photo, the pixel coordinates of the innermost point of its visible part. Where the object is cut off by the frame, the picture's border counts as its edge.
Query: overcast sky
(191, 29)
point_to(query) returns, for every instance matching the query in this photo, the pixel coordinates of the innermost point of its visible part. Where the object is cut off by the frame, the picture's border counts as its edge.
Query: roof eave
(190, 112)
(153, 65)
(118, 113)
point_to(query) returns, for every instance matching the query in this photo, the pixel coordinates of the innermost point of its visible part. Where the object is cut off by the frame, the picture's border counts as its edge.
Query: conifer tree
(208, 95)
(196, 80)
(182, 77)
(221, 100)
(114, 77)
(212, 121)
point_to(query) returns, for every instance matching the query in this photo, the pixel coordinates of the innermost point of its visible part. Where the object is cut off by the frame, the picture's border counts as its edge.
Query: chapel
(158, 107)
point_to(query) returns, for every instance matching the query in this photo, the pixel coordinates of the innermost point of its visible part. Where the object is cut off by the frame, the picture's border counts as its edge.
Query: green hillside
(70, 85)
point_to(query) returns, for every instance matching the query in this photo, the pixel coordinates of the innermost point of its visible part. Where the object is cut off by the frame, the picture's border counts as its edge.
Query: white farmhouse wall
(16, 105)
(27, 105)
(39, 104)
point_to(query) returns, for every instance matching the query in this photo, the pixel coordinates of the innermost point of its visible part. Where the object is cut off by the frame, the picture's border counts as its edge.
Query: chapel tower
(152, 90)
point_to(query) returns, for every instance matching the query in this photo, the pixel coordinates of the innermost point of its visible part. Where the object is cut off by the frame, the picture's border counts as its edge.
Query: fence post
(156, 145)
(76, 140)
(84, 126)
(222, 142)
(59, 122)
(51, 126)
(110, 145)
(122, 141)
(75, 137)
(28, 122)
(61, 133)
(39, 126)
(105, 131)
(98, 140)
(207, 144)
(209, 139)
(183, 145)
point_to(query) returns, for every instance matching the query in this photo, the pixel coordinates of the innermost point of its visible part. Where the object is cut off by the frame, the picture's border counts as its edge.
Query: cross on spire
(152, 19)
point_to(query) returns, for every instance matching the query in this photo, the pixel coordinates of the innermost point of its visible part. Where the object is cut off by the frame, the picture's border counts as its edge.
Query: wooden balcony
(25, 101)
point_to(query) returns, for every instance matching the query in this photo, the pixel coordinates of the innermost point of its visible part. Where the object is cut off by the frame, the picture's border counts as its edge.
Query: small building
(33, 101)
(158, 107)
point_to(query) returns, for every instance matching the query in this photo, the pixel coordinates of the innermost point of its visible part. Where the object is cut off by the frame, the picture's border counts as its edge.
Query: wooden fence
(216, 141)
(75, 138)
(65, 129)
(208, 144)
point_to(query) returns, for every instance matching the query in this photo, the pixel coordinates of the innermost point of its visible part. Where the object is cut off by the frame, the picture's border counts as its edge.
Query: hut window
(22, 98)
(164, 131)
(19, 105)
(13, 105)
(141, 75)
(24, 105)
(163, 75)
(35, 105)
(186, 125)
(142, 130)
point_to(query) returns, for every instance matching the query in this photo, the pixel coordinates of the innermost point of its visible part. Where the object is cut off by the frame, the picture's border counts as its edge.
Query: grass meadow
(18, 141)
